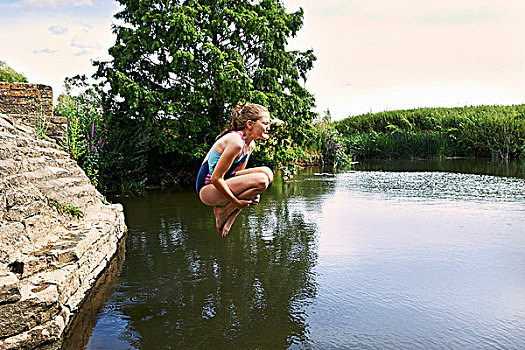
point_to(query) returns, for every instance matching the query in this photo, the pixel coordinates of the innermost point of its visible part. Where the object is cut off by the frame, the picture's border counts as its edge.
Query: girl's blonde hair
(240, 116)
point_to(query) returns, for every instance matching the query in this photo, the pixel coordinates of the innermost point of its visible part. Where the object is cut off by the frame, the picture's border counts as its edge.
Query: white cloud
(80, 3)
(57, 3)
(86, 27)
(41, 3)
(82, 52)
(57, 30)
(44, 52)
(84, 43)
(457, 16)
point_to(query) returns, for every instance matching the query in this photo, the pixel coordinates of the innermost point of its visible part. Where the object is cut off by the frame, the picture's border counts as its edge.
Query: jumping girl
(223, 182)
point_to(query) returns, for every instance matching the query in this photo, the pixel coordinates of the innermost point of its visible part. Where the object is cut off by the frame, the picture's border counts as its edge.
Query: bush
(326, 141)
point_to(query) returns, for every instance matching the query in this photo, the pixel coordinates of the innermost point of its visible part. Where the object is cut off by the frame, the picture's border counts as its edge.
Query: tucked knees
(266, 171)
(264, 178)
(249, 182)
(261, 181)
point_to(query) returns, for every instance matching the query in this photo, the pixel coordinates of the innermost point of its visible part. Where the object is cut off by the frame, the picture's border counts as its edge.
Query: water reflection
(355, 260)
(185, 287)
(479, 166)
(81, 327)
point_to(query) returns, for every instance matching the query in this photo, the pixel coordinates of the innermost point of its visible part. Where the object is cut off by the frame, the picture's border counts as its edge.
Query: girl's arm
(231, 150)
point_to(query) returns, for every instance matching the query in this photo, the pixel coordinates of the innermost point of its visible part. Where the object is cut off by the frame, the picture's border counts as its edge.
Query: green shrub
(328, 143)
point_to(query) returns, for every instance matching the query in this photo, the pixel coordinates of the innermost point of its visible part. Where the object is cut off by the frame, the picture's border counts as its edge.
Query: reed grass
(482, 131)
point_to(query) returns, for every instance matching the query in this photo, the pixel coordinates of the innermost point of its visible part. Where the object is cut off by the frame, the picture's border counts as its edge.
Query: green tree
(9, 75)
(180, 66)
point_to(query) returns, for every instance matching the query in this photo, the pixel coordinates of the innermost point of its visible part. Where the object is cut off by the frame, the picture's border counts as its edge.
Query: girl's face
(261, 127)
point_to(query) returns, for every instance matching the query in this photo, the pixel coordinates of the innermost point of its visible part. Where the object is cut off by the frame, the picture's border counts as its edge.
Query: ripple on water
(437, 185)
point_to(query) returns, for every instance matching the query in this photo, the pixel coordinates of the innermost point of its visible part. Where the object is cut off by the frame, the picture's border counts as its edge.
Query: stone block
(28, 313)
(23, 205)
(33, 265)
(12, 241)
(6, 152)
(8, 166)
(6, 125)
(36, 337)
(38, 227)
(9, 291)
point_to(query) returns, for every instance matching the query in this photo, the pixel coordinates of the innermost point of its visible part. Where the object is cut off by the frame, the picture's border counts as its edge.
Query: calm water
(366, 258)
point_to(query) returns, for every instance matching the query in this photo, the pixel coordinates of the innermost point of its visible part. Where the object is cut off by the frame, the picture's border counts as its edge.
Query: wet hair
(241, 114)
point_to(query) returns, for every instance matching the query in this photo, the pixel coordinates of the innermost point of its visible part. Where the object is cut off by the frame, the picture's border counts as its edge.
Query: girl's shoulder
(230, 139)
(233, 137)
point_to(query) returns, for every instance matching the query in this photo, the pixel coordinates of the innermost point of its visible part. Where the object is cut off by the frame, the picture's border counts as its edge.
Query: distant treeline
(481, 131)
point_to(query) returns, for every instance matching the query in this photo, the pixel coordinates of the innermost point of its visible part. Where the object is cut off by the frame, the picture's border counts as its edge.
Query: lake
(382, 255)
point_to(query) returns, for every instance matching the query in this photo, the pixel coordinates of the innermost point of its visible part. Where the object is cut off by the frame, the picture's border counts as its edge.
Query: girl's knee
(268, 173)
(262, 181)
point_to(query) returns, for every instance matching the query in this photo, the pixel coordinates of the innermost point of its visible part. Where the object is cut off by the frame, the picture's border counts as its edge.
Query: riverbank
(57, 235)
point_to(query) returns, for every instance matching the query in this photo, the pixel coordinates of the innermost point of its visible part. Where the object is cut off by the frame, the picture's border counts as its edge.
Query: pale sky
(372, 55)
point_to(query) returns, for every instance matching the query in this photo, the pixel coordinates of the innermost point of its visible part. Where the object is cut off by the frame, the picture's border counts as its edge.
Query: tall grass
(86, 130)
(483, 131)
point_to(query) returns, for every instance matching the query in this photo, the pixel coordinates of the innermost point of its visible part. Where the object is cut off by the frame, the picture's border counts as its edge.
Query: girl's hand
(256, 200)
(242, 203)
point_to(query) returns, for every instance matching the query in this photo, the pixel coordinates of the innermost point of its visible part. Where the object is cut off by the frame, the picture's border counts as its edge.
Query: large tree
(180, 66)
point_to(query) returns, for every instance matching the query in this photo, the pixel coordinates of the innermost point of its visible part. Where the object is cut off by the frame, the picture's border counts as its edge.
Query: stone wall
(57, 235)
(26, 99)
(33, 104)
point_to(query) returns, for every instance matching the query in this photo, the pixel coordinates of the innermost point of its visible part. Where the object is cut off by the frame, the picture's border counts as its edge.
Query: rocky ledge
(57, 235)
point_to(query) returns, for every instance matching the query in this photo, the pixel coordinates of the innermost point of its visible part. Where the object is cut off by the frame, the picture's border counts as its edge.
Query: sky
(372, 55)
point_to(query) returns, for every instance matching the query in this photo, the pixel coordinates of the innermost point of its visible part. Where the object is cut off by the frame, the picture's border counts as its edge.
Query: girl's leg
(223, 213)
(262, 169)
(219, 212)
(238, 184)
(224, 227)
(246, 195)
(245, 185)
(229, 222)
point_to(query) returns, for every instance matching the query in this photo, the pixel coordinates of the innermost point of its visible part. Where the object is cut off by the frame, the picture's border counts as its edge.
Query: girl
(223, 181)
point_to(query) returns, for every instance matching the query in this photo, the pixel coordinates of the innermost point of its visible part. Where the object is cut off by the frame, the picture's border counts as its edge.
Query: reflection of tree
(479, 166)
(186, 287)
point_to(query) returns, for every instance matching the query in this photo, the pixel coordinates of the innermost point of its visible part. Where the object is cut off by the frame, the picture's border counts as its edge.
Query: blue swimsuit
(211, 160)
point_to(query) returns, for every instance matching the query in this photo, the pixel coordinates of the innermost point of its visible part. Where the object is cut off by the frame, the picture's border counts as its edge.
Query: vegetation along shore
(478, 131)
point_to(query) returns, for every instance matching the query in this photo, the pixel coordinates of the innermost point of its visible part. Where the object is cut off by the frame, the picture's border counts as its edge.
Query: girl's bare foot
(229, 222)
(222, 214)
